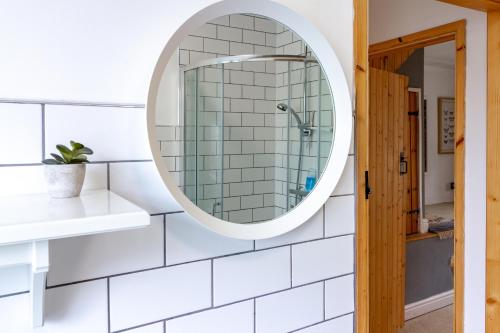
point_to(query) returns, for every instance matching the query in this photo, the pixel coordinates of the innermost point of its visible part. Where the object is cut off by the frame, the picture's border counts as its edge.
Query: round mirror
(243, 121)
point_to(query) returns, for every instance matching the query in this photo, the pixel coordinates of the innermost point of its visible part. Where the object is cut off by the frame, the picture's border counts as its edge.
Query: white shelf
(28, 222)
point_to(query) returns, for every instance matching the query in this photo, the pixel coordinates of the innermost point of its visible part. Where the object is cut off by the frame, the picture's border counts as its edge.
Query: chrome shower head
(283, 107)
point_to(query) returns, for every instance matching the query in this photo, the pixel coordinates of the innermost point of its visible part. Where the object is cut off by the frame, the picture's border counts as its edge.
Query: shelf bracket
(39, 269)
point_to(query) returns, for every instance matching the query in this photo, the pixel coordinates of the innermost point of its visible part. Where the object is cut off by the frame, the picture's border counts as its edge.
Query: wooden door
(412, 188)
(388, 113)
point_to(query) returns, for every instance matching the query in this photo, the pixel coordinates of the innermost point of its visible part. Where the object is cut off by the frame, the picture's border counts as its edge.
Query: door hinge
(413, 113)
(413, 211)
(368, 189)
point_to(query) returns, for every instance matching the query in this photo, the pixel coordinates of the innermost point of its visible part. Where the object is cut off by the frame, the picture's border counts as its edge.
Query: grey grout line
(108, 305)
(15, 294)
(164, 327)
(322, 322)
(324, 300)
(121, 161)
(254, 315)
(93, 162)
(43, 130)
(72, 103)
(108, 177)
(19, 165)
(164, 240)
(324, 221)
(341, 195)
(291, 266)
(212, 282)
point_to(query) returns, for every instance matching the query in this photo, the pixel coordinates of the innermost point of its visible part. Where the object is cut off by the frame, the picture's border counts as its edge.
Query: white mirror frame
(343, 119)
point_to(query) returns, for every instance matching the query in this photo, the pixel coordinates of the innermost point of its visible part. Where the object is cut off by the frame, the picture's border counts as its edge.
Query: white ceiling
(442, 55)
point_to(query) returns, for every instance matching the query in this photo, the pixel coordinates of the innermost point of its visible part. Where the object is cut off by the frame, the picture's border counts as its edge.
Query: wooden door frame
(448, 32)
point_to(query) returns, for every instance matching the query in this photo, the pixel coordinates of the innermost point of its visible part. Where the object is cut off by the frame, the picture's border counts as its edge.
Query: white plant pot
(64, 180)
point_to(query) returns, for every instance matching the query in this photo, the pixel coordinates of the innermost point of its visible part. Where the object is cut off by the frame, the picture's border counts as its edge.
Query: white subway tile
(248, 275)
(266, 25)
(264, 160)
(265, 133)
(270, 39)
(232, 147)
(230, 34)
(231, 203)
(157, 294)
(339, 216)
(263, 214)
(31, 179)
(207, 30)
(222, 20)
(232, 175)
(14, 279)
(20, 133)
(312, 229)
(265, 106)
(290, 310)
(165, 133)
(252, 174)
(241, 216)
(195, 56)
(252, 147)
(128, 141)
(344, 324)
(339, 296)
(241, 105)
(140, 183)
(241, 133)
(232, 318)
(232, 119)
(241, 77)
(254, 37)
(346, 181)
(265, 79)
(192, 43)
(252, 201)
(253, 92)
(322, 259)
(216, 46)
(154, 328)
(266, 186)
(78, 308)
(232, 90)
(254, 66)
(260, 49)
(87, 257)
(237, 189)
(187, 240)
(236, 48)
(241, 21)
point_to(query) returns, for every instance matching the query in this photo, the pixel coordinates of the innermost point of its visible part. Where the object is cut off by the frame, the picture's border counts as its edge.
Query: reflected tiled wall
(257, 173)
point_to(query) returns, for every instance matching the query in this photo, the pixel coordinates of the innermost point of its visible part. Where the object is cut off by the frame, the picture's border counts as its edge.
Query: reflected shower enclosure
(254, 130)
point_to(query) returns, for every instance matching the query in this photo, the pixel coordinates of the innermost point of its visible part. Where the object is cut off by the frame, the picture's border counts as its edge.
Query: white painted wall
(392, 18)
(90, 50)
(439, 81)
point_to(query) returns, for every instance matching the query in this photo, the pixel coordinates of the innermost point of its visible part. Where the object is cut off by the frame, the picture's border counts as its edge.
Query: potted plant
(65, 172)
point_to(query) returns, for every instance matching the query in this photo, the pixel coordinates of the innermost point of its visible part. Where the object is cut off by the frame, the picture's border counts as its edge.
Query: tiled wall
(252, 177)
(174, 273)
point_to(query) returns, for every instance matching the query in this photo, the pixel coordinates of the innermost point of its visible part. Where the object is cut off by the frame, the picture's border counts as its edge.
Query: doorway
(391, 214)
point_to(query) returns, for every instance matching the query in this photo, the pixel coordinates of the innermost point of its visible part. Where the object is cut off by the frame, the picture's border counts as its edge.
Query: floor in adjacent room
(439, 321)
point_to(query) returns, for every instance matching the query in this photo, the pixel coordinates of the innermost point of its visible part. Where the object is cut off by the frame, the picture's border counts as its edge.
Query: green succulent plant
(76, 155)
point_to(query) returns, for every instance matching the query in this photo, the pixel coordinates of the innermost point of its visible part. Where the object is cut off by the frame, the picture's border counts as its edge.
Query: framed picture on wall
(446, 125)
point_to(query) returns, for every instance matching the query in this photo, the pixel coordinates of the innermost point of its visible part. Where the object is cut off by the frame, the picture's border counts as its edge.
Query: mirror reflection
(245, 118)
